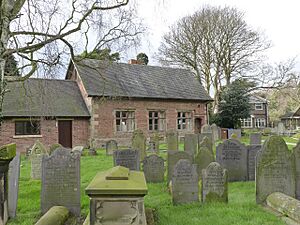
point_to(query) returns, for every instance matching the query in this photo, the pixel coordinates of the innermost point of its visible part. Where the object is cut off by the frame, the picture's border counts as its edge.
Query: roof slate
(102, 78)
(44, 97)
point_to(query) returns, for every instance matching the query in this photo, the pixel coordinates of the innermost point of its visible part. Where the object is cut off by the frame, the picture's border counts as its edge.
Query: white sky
(278, 19)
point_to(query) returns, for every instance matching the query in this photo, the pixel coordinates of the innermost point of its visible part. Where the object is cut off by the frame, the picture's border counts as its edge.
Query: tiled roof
(102, 78)
(44, 97)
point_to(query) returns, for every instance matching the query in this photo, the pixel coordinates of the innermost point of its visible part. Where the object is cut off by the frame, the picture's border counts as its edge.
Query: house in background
(100, 101)
(291, 120)
(258, 114)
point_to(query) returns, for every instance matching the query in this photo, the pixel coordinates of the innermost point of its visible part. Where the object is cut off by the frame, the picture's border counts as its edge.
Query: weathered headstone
(185, 187)
(252, 151)
(202, 136)
(78, 150)
(129, 158)
(13, 185)
(61, 181)
(139, 143)
(255, 138)
(38, 150)
(207, 143)
(280, 128)
(173, 158)
(110, 146)
(236, 132)
(215, 130)
(7, 153)
(53, 147)
(275, 169)
(191, 143)
(154, 139)
(296, 153)
(203, 158)
(154, 169)
(232, 155)
(206, 128)
(172, 140)
(214, 183)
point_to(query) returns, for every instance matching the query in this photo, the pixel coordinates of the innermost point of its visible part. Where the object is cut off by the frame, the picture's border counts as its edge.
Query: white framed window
(258, 106)
(125, 121)
(184, 121)
(156, 120)
(246, 123)
(260, 122)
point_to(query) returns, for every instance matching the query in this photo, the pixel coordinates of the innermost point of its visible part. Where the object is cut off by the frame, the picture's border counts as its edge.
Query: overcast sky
(279, 20)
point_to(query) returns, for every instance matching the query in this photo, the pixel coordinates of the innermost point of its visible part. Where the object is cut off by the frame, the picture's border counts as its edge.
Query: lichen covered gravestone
(110, 146)
(214, 183)
(296, 152)
(275, 169)
(38, 150)
(13, 185)
(252, 151)
(7, 153)
(53, 147)
(117, 197)
(203, 158)
(129, 158)
(202, 136)
(255, 138)
(232, 155)
(215, 130)
(191, 143)
(207, 143)
(139, 143)
(185, 187)
(172, 140)
(61, 181)
(206, 128)
(173, 157)
(154, 139)
(153, 167)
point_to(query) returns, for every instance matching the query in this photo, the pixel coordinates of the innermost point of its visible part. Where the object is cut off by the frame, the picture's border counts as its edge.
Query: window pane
(118, 114)
(27, 127)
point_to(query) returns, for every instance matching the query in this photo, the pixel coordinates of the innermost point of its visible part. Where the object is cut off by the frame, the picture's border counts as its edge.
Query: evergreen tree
(142, 58)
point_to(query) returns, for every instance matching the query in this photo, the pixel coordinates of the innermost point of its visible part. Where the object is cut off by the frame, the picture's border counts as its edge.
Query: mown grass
(241, 208)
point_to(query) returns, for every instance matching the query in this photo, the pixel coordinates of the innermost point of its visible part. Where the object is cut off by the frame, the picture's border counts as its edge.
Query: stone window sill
(27, 136)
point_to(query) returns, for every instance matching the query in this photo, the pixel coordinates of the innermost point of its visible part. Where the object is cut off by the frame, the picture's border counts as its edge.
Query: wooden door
(65, 133)
(197, 125)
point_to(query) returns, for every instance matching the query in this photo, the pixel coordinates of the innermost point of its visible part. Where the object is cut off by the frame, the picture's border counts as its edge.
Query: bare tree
(42, 31)
(216, 43)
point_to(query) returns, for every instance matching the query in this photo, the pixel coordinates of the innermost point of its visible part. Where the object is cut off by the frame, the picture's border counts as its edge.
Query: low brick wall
(57, 215)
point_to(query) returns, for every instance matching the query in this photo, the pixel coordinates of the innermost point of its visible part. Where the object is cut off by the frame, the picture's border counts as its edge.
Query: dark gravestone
(61, 181)
(13, 185)
(191, 143)
(172, 140)
(154, 169)
(129, 158)
(173, 158)
(185, 183)
(252, 151)
(214, 183)
(139, 143)
(232, 155)
(111, 145)
(297, 163)
(203, 158)
(255, 138)
(275, 169)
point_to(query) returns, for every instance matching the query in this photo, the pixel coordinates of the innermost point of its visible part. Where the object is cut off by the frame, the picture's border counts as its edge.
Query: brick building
(99, 101)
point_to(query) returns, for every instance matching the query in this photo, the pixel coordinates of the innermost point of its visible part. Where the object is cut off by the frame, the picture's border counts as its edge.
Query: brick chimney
(133, 61)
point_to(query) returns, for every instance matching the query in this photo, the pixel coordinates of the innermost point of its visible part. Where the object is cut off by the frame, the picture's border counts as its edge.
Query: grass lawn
(241, 208)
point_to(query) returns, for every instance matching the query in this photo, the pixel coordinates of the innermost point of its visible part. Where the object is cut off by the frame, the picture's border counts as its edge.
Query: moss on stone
(57, 215)
(8, 152)
(54, 147)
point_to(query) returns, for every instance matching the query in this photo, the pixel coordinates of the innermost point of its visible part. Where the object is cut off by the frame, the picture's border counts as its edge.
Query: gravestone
(215, 130)
(296, 152)
(110, 146)
(214, 183)
(129, 158)
(236, 132)
(275, 169)
(139, 143)
(185, 183)
(53, 147)
(61, 181)
(252, 151)
(38, 150)
(206, 129)
(13, 185)
(255, 138)
(153, 167)
(202, 136)
(232, 155)
(280, 128)
(154, 139)
(173, 158)
(191, 143)
(207, 143)
(203, 158)
(172, 140)
(78, 150)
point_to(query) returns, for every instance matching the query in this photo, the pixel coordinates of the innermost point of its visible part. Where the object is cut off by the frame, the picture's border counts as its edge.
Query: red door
(65, 133)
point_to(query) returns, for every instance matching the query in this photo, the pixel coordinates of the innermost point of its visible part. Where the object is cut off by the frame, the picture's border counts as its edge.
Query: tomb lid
(118, 181)
(7, 152)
